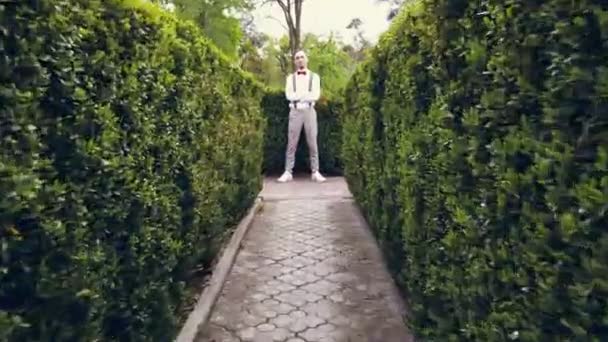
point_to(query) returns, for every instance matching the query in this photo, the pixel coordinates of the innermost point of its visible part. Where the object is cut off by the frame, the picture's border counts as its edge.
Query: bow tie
(301, 72)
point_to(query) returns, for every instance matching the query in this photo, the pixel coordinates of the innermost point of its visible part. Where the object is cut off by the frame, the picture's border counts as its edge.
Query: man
(302, 89)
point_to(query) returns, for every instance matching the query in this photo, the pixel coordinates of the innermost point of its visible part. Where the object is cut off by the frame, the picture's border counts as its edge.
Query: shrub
(475, 138)
(127, 145)
(275, 107)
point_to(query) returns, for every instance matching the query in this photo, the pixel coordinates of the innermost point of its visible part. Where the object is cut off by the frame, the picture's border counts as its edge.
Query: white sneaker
(317, 177)
(286, 177)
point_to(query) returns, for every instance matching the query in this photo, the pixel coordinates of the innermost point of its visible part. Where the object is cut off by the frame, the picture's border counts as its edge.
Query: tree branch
(288, 19)
(286, 11)
(280, 23)
(298, 8)
(283, 5)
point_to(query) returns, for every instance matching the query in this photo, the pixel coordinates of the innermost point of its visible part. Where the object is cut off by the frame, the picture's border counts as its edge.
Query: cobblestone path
(309, 270)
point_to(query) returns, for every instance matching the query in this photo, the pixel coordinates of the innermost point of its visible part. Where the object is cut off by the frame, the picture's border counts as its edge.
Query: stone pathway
(309, 270)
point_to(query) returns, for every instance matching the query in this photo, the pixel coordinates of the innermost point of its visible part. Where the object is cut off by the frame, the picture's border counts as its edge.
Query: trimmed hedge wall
(476, 140)
(127, 145)
(275, 107)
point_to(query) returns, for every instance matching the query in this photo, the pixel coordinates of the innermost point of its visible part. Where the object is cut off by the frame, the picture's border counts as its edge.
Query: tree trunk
(292, 10)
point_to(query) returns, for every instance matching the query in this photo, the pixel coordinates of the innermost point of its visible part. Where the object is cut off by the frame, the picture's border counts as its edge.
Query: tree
(278, 52)
(250, 56)
(219, 20)
(395, 7)
(327, 57)
(292, 10)
(358, 51)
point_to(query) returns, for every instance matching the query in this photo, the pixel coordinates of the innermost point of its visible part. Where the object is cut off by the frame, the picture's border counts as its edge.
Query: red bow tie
(301, 72)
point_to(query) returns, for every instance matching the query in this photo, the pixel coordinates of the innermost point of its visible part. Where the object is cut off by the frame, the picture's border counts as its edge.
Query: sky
(321, 17)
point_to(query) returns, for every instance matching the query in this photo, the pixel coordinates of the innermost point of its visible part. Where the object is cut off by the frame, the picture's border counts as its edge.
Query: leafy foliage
(216, 20)
(327, 57)
(127, 145)
(475, 138)
(275, 107)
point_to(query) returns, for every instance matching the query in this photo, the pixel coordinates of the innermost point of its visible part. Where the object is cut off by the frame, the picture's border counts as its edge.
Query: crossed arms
(300, 95)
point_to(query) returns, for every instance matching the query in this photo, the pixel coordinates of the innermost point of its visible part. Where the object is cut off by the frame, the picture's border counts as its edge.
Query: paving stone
(309, 270)
(263, 336)
(312, 297)
(252, 320)
(282, 320)
(340, 320)
(297, 314)
(284, 308)
(281, 334)
(266, 327)
(270, 302)
(247, 334)
(318, 333)
(298, 326)
(323, 308)
(291, 298)
(271, 291)
(218, 332)
(313, 321)
(322, 270)
(284, 287)
(270, 314)
(342, 277)
(336, 297)
(292, 279)
(260, 296)
(322, 287)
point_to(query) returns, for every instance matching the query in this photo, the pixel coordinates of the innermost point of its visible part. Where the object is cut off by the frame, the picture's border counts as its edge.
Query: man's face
(300, 60)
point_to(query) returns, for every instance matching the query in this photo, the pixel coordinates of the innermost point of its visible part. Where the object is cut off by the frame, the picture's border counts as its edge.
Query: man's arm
(289, 93)
(315, 94)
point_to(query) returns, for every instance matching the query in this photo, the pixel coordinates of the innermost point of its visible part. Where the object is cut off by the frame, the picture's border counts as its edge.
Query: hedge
(127, 145)
(475, 139)
(275, 107)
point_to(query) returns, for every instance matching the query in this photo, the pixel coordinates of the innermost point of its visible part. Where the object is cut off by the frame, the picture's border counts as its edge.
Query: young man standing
(302, 89)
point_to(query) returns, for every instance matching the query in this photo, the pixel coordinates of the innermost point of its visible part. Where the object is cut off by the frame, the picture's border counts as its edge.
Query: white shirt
(304, 98)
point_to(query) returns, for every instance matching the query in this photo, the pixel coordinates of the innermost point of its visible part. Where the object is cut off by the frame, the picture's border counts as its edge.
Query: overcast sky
(321, 17)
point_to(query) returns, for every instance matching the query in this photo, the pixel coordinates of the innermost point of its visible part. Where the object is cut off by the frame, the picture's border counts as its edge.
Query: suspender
(312, 75)
(293, 78)
(310, 79)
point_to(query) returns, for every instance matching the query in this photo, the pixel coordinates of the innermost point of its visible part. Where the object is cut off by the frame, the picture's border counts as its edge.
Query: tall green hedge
(476, 140)
(276, 109)
(127, 145)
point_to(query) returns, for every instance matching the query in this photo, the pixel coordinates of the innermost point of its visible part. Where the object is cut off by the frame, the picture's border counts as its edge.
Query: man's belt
(295, 104)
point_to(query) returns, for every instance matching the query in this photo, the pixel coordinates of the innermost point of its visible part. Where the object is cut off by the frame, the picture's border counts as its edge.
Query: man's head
(301, 60)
